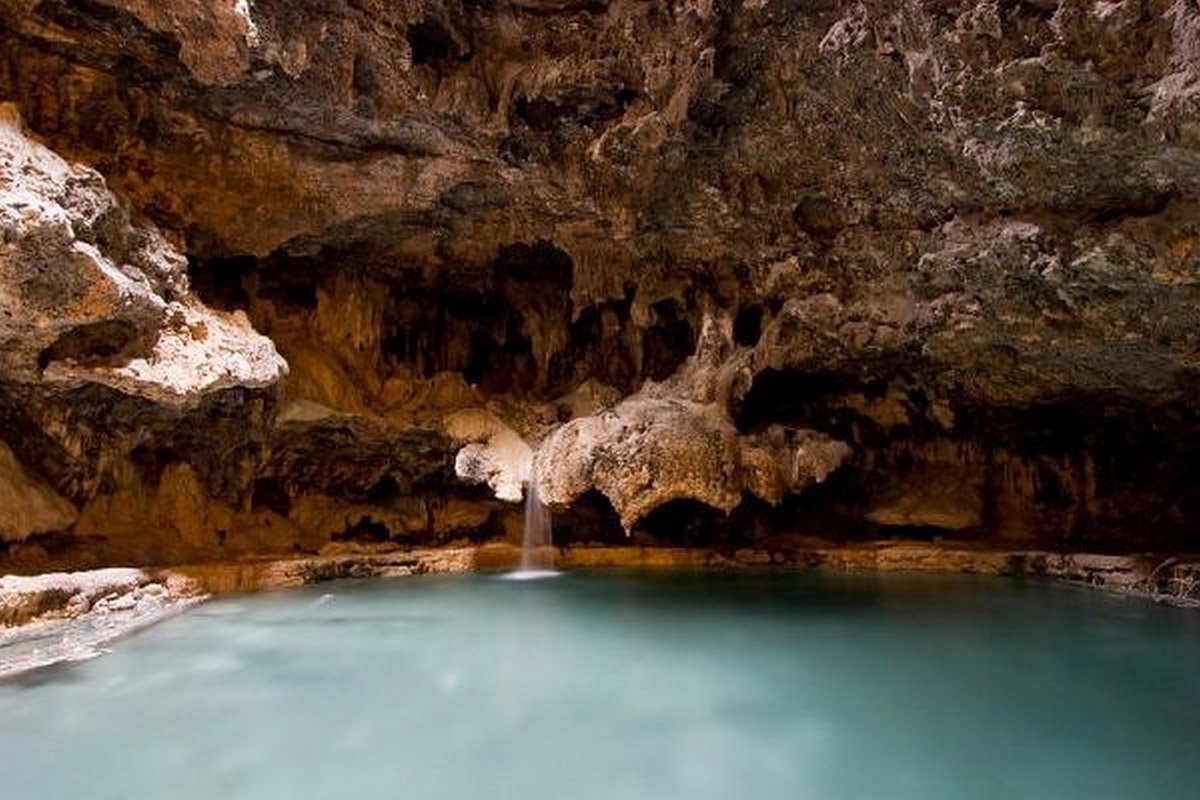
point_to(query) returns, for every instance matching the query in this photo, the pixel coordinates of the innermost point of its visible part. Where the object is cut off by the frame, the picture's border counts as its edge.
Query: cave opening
(807, 398)
(668, 342)
(1076, 471)
(484, 327)
(221, 282)
(583, 106)
(690, 523)
(432, 43)
(747, 325)
(271, 494)
(502, 365)
(364, 530)
(384, 491)
(590, 518)
(509, 326)
(541, 262)
(599, 347)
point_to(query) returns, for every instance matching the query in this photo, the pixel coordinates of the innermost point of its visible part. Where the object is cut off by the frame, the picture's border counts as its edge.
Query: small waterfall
(537, 546)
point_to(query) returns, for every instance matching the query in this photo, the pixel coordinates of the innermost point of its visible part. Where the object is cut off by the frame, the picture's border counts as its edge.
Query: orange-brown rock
(720, 272)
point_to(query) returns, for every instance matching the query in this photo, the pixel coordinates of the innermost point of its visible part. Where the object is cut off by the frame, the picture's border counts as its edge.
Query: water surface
(626, 686)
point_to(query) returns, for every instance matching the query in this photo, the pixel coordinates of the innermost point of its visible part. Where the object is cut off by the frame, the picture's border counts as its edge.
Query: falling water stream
(537, 550)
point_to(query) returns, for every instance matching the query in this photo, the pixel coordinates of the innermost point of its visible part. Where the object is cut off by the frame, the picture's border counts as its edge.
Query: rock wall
(710, 272)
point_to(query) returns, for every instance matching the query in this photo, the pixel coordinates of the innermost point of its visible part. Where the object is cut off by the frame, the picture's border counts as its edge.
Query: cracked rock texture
(710, 272)
(86, 296)
(676, 440)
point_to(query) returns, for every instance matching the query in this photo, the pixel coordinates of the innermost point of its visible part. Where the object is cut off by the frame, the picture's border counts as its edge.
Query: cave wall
(785, 269)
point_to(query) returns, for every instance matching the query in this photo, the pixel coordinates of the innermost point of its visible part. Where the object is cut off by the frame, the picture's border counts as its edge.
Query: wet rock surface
(57, 617)
(716, 273)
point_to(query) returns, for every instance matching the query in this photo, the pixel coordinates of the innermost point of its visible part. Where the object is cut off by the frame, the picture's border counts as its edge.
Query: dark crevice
(151, 459)
(485, 323)
(818, 216)
(483, 326)
(747, 325)
(364, 530)
(601, 346)
(1077, 473)
(591, 518)
(220, 282)
(1145, 203)
(270, 494)
(687, 522)
(432, 43)
(801, 397)
(108, 342)
(365, 80)
(55, 544)
(668, 342)
(583, 106)
(384, 491)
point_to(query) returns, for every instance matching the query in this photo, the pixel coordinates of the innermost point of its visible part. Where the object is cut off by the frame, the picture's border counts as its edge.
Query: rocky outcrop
(87, 296)
(775, 269)
(645, 453)
(676, 440)
(94, 306)
(31, 507)
(63, 595)
(494, 454)
(1172, 581)
(59, 617)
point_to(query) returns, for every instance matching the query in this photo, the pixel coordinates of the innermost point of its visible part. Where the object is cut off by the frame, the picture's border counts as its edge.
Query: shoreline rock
(62, 617)
(1174, 580)
(72, 616)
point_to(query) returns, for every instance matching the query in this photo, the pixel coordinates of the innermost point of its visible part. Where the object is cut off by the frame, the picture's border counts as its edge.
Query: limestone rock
(699, 250)
(86, 296)
(932, 497)
(782, 460)
(25, 598)
(646, 452)
(59, 617)
(28, 506)
(641, 454)
(494, 454)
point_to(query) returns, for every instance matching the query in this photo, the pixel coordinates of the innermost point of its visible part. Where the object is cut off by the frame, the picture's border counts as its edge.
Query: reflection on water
(683, 685)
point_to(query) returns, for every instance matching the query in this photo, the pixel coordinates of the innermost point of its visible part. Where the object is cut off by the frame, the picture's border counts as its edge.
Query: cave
(1078, 469)
(580, 106)
(803, 397)
(468, 397)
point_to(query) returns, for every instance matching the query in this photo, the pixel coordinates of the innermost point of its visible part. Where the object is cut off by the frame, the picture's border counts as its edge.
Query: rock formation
(718, 271)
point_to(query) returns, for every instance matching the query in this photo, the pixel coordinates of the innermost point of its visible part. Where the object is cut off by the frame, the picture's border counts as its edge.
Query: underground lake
(599, 400)
(627, 684)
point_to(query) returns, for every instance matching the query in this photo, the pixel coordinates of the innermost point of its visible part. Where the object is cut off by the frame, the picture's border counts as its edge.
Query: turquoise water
(626, 686)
